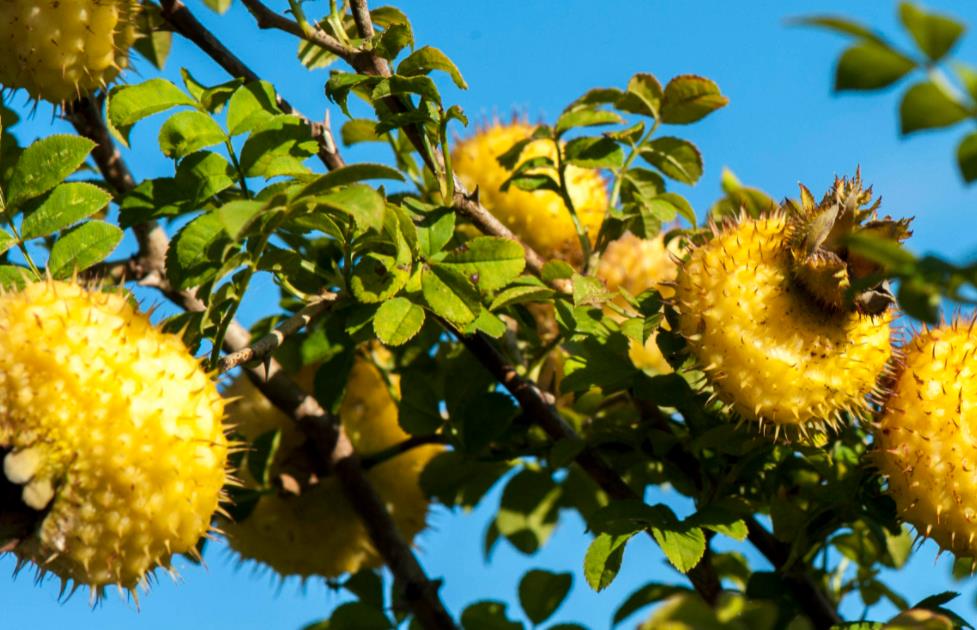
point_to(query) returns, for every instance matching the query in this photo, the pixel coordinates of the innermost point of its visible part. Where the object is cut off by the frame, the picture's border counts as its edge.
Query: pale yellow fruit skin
(318, 532)
(926, 437)
(120, 419)
(58, 50)
(767, 349)
(538, 218)
(636, 264)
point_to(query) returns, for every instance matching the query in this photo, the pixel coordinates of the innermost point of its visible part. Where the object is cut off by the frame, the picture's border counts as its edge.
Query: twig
(267, 18)
(323, 429)
(369, 461)
(186, 24)
(265, 346)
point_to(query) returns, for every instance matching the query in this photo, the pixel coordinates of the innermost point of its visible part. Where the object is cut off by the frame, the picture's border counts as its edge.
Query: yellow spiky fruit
(539, 218)
(636, 265)
(769, 350)
(313, 529)
(113, 430)
(58, 50)
(926, 436)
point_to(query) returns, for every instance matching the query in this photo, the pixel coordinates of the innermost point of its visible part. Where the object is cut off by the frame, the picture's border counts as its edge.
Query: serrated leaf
(490, 263)
(689, 98)
(361, 202)
(935, 34)
(250, 106)
(212, 98)
(676, 158)
(585, 117)
(421, 85)
(643, 96)
(683, 546)
(541, 593)
(434, 230)
(927, 105)
(82, 247)
(967, 157)
(128, 104)
(603, 560)
(350, 174)
(449, 294)
(870, 65)
(427, 58)
(65, 205)
(186, 132)
(236, 215)
(201, 175)
(394, 39)
(521, 295)
(196, 251)
(556, 270)
(589, 152)
(44, 164)
(279, 145)
(397, 321)
(151, 199)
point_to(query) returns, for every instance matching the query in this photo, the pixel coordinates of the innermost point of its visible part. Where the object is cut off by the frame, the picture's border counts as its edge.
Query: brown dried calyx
(821, 262)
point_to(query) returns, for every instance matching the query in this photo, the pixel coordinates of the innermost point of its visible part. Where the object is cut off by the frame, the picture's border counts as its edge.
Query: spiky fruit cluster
(926, 436)
(636, 265)
(769, 347)
(308, 527)
(113, 430)
(58, 50)
(540, 217)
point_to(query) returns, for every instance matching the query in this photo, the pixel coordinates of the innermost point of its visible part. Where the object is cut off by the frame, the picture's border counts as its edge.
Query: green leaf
(485, 418)
(647, 594)
(365, 205)
(151, 199)
(668, 204)
(490, 263)
(427, 58)
(250, 106)
(238, 214)
(195, 254)
(449, 294)
(528, 510)
(358, 616)
(6, 241)
(840, 25)
(556, 270)
(128, 104)
(397, 321)
(455, 479)
(640, 182)
(359, 130)
(870, 65)
(13, 277)
(967, 157)
(219, 6)
(189, 131)
(689, 98)
(82, 247)
(378, 277)
(588, 152)
(541, 593)
(212, 98)
(201, 175)
(434, 229)
(65, 205)
(968, 77)
(154, 41)
(643, 96)
(520, 295)
(927, 105)
(588, 290)
(487, 615)
(676, 158)
(585, 117)
(350, 174)
(279, 145)
(935, 34)
(340, 84)
(261, 454)
(603, 560)
(394, 39)
(720, 520)
(313, 56)
(44, 164)
(683, 546)
(396, 84)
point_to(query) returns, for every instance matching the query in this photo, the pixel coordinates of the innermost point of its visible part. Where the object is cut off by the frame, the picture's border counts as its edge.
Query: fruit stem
(616, 189)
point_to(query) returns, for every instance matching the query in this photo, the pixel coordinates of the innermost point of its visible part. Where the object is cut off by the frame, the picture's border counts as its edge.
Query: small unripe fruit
(307, 527)
(58, 50)
(767, 347)
(636, 265)
(113, 430)
(926, 436)
(539, 218)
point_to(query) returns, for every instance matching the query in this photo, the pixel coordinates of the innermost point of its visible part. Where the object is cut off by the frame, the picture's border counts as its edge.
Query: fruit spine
(771, 348)
(113, 431)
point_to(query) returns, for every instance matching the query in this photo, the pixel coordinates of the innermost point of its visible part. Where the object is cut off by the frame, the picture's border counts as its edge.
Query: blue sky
(532, 57)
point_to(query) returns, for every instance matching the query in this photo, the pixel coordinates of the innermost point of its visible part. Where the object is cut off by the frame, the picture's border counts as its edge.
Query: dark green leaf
(487, 616)
(189, 131)
(151, 199)
(870, 65)
(455, 479)
(449, 294)
(350, 174)
(490, 263)
(485, 418)
(689, 98)
(201, 175)
(261, 454)
(528, 510)
(250, 106)
(967, 157)
(44, 164)
(359, 616)
(643, 96)
(541, 593)
(394, 39)
(590, 152)
(676, 158)
(82, 247)
(927, 105)
(647, 594)
(603, 560)
(128, 104)
(340, 84)
(196, 251)
(154, 40)
(397, 321)
(62, 207)
(935, 34)
(640, 182)
(427, 58)
(396, 84)
(361, 202)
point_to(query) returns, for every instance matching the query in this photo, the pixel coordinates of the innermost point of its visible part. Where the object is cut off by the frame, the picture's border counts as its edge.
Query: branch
(400, 448)
(265, 346)
(184, 23)
(267, 18)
